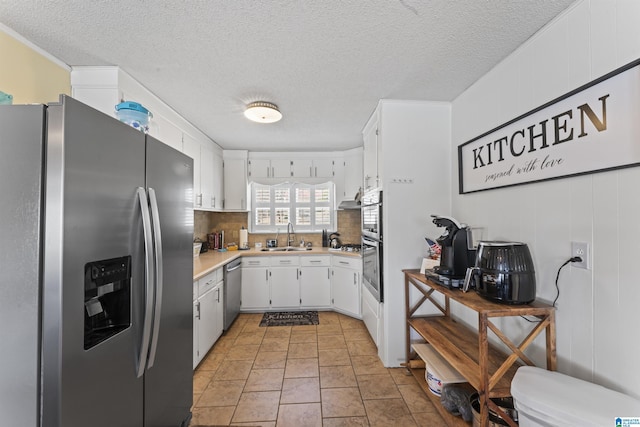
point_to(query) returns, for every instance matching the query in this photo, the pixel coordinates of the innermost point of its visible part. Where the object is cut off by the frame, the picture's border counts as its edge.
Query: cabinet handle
(343, 262)
(218, 296)
(310, 170)
(298, 274)
(315, 261)
(328, 273)
(285, 261)
(213, 202)
(316, 171)
(355, 280)
(268, 172)
(266, 272)
(198, 310)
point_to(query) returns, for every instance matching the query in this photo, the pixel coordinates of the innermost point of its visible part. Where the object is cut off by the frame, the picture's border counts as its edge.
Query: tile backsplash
(349, 227)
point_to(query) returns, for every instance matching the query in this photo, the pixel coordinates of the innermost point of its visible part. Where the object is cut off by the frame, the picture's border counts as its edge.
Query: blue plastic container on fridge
(134, 114)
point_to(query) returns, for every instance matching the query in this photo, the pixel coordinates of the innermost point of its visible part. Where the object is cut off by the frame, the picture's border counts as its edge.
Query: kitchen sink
(285, 249)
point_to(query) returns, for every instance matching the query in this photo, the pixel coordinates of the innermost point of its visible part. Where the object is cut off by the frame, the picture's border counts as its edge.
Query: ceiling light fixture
(262, 112)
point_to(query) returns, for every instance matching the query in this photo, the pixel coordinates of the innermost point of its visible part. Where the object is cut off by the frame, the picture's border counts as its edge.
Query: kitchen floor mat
(290, 318)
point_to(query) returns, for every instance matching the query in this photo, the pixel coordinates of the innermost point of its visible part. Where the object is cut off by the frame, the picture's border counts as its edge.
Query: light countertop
(209, 261)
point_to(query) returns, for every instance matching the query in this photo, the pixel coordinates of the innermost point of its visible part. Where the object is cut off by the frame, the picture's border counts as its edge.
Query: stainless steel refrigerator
(96, 222)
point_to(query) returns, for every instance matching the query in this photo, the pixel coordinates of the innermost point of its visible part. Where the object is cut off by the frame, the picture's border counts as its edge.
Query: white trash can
(551, 399)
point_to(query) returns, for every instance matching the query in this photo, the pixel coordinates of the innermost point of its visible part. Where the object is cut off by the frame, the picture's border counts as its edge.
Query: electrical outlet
(580, 249)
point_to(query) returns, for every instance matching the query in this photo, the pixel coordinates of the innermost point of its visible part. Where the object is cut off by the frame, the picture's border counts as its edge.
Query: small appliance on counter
(503, 273)
(334, 241)
(197, 247)
(457, 253)
(204, 246)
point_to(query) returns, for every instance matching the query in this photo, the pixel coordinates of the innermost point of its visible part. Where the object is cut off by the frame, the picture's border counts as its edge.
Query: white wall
(597, 316)
(414, 137)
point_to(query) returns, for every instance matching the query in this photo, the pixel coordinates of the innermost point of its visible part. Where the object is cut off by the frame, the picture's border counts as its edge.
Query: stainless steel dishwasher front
(232, 288)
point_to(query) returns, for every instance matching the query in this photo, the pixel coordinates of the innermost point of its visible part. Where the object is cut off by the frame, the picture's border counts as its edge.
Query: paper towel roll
(244, 238)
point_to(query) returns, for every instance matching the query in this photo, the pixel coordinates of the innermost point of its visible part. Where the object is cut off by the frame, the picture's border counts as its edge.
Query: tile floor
(324, 375)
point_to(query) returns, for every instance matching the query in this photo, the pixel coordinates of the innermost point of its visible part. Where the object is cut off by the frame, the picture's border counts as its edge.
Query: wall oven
(371, 211)
(372, 266)
(372, 242)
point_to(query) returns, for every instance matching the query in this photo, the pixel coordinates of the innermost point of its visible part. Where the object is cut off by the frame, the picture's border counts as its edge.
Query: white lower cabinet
(283, 278)
(315, 281)
(207, 328)
(285, 288)
(345, 284)
(208, 314)
(255, 283)
(196, 324)
(371, 315)
(289, 282)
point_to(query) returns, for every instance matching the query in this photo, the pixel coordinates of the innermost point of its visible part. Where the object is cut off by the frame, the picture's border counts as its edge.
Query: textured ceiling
(325, 63)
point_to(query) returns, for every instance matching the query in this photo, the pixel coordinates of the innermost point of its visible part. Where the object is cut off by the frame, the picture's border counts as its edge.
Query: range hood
(349, 204)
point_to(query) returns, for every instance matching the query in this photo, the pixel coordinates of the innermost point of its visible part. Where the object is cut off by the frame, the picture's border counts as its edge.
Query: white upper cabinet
(217, 201)
(370, 154)
(259, 168)
(312, 168)
(352, 172)
(207, 172)
(206, 175)
(269, 168)
(235, 180)
(167, 132)
(191, 148)
(302, 168)
(278, 165)
(280, 168)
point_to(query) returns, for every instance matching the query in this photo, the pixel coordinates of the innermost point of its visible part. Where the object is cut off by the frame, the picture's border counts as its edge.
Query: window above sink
(308, 207)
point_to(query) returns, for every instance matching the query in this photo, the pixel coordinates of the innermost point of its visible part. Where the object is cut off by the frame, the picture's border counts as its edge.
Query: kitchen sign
(594, 128)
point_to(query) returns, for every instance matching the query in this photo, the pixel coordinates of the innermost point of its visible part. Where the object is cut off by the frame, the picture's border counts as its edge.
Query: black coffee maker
(456, 252)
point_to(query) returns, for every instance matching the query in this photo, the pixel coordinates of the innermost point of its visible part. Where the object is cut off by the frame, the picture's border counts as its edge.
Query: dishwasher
(231, 294)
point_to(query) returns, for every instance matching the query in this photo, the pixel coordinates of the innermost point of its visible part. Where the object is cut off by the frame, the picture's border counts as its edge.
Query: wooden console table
(486, 368)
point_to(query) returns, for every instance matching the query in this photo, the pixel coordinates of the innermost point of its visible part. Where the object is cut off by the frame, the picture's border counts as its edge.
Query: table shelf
(488, 369)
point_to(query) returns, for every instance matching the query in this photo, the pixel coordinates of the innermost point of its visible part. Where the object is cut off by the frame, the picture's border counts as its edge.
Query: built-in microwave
(372, 266)
(371, 211)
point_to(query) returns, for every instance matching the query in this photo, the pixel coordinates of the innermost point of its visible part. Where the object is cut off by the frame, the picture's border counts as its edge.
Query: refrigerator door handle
(149, 280)
(157, 252)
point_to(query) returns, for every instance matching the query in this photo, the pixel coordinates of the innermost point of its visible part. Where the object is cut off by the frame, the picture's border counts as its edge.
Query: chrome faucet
(290, 234)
